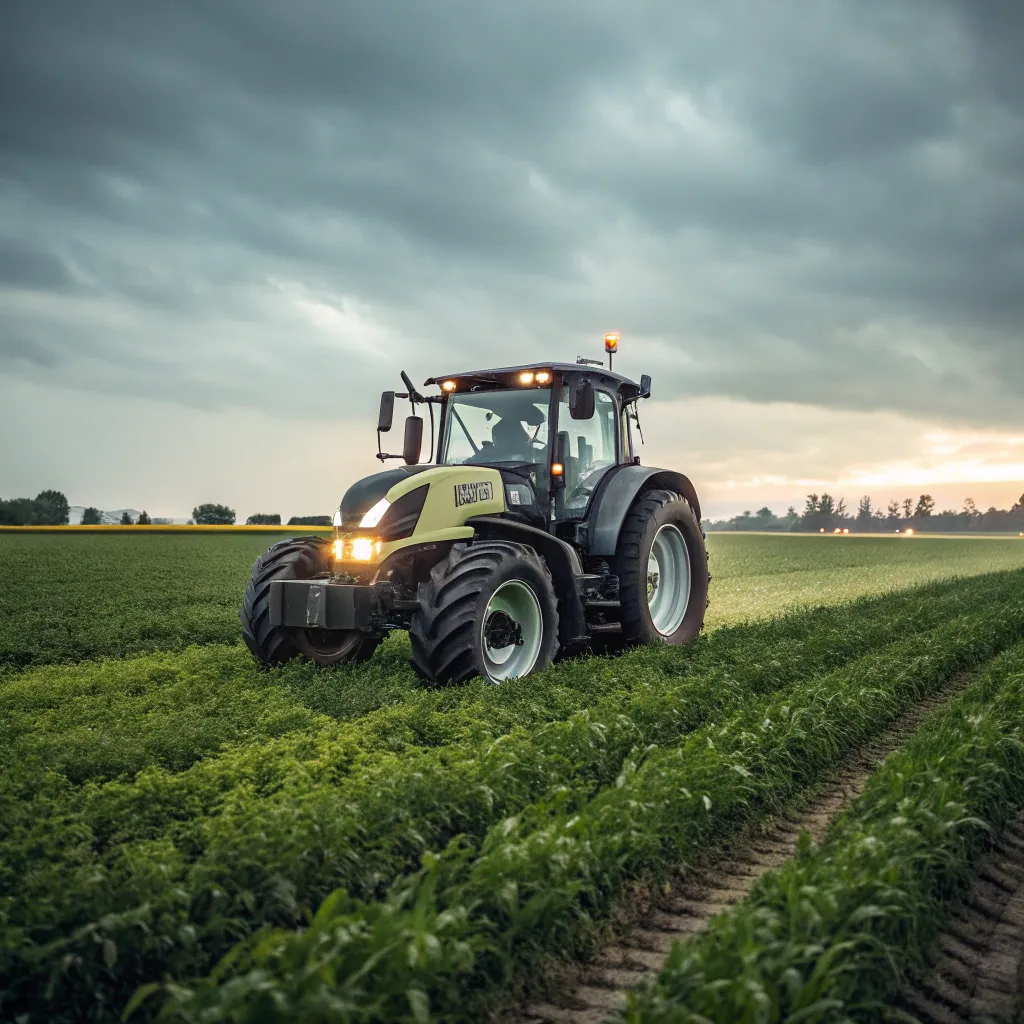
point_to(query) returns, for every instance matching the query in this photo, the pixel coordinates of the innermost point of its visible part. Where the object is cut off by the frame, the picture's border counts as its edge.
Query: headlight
(359, 549)
(362, 549)
(376, 514)
(337, 518)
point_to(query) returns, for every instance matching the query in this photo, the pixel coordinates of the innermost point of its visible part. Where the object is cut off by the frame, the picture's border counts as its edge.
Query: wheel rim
(668, 580)
(513, 602)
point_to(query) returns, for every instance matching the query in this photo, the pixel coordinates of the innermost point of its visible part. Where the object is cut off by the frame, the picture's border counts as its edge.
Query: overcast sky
(224, 228)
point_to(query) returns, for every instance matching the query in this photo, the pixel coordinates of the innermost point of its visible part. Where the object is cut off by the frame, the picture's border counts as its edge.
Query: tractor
(534, 534)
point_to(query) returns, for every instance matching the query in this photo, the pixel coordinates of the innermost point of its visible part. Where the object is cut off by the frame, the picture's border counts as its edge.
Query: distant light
(822, 530)
(448, 385)
(526, 378)
(543, 377)
(611, 343)
(846, 530)
(837, 530)
(910, 533)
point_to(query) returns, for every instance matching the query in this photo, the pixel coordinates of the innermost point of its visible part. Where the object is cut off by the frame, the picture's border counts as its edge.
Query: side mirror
(645, 386)
(581, 400)
(387, 412)
(413, 440)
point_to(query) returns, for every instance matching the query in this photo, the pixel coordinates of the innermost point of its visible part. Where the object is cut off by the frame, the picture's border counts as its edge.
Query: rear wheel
(487, 610)
(298, 558)
(662, 566)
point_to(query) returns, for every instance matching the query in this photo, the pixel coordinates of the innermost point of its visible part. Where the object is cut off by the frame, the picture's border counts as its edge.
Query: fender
(562, 561)
(616, 494)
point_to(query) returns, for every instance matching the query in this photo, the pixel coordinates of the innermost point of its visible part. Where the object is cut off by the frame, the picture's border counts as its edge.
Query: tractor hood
(365, 493)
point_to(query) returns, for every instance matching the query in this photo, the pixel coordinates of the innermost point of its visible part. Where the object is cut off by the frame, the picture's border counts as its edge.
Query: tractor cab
(552, 431)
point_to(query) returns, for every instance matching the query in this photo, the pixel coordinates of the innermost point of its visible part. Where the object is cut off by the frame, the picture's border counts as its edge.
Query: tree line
(823, 513)
(51, 508)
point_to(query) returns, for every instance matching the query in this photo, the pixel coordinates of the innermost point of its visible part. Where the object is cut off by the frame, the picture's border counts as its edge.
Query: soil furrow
(590, 993)
(977, 975)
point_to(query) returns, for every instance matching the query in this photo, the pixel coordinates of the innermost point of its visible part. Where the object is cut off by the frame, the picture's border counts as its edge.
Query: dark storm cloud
(778, 202)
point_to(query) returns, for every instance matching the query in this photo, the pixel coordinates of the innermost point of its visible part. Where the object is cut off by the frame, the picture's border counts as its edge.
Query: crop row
(833, 931)
(70, 598)
(110, 886)
(478, 919)
(100, 721)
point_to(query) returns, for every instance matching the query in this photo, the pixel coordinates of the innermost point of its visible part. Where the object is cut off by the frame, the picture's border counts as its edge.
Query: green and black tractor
(534, 534)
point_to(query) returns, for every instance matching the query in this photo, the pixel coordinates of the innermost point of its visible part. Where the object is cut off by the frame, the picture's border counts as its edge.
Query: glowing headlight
(543, 377)
(362, 549)
(376, 514)
(526, 378)
(337, 518)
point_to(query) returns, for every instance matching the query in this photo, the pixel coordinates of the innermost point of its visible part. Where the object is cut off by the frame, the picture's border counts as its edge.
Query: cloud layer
(253, 205)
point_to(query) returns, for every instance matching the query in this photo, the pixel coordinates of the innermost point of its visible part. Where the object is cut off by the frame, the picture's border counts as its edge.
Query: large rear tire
(487, 610)
(662, 565)
(298, 558)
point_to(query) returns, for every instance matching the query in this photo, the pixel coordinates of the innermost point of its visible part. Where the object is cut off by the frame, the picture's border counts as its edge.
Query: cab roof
(499, 376)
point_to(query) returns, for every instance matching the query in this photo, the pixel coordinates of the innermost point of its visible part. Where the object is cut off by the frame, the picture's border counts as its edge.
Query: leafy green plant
(539, 880)
(828, 936)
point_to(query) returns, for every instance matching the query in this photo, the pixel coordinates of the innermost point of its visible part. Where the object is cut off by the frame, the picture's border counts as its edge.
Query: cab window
(592, 448)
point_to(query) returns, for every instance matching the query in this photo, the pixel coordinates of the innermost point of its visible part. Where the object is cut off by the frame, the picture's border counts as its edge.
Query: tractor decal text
(469, 494)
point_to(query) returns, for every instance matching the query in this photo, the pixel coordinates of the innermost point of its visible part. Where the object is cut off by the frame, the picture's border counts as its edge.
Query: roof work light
(611, 346)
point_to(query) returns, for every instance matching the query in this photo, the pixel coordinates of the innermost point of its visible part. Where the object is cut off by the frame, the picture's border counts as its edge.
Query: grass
(66, 598)
(763, 574)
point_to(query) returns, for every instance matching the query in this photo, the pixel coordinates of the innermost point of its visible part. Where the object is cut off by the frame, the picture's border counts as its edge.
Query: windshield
(497, 426)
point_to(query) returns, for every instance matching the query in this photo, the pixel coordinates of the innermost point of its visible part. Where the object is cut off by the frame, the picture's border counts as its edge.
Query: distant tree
(309, 521)
(190, 522)
(925, 506)
(51, 509)
(143, 519)
(970, 509)
(1018, 505)
(92, 516)
(812, 507)
(908, 507)
(263, 519)
(765, 514)
(126, 520)
(213, 515)
(892, 510)
(841, 509)
(791, 515)
(864, 509)
(17, 511)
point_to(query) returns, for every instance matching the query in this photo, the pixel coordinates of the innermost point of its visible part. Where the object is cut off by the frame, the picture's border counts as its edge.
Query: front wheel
(487, 610)
(662, 566)
(299, 558)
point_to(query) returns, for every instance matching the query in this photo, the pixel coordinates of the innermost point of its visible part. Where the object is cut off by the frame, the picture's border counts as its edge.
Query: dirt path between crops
(978, 976)
(590, 993)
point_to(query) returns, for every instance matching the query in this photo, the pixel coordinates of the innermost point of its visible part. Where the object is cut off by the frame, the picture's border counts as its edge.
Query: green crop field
(186, 837)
